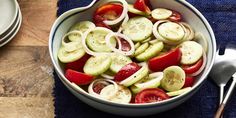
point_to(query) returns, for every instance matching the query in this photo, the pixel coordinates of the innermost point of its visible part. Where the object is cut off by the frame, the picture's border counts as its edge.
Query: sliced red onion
(106, 82)
(106, 76)
(156, 74)
(123, 14)
(86, 48)
(158, 36)
(123, 23)
(108, 42)
(71, 46)
(203, 65)
(190, 32)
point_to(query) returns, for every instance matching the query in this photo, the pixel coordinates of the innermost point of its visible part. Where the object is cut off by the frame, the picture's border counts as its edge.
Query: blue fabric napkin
(222, 16)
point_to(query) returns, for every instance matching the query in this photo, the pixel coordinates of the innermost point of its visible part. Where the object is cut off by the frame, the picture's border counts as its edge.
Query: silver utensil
(227, 96)
(225, 67)
(221, 71)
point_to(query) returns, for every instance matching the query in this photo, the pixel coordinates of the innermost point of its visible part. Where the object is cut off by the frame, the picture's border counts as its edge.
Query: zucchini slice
(138, 28)
(97, 65)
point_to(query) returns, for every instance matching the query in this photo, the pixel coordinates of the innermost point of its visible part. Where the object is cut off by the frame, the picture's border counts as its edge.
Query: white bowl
(190, 14)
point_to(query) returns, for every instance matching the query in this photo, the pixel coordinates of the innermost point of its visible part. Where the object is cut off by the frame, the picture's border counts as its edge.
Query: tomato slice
(126, 71)
(189, 81)
(175, 17)
(159, 63)
(190, 69)
(98, 87)
(143, 5)
(101, 24)
(78, 77)
(109, 11)
(151, 95)
(79, 64)
(125, 46)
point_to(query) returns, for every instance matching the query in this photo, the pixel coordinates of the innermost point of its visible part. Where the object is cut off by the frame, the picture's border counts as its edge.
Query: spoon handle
(228, 94)
(221, 93)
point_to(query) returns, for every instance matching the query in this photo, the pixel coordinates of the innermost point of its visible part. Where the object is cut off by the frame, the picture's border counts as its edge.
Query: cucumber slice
(151, 52)
(138, 28)
(135, 89)
(122, 96)
(97, 65)
(174, 78)
(140, 74)
(81, 26)
(141, 49)
(161, 13)
(66, 56)
(96, 40)
(179, 92)
(131, 9)
(118, 61)
(154, 41)
(147, 40)
(137, 45)
(147, 82)
(191, 52)
(171, 31)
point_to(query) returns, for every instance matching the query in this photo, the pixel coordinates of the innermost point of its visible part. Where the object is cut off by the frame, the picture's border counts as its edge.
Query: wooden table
(26, 79)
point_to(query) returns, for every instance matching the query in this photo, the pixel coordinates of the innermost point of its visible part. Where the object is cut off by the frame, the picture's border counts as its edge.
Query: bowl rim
(16, 6)
(62, 18)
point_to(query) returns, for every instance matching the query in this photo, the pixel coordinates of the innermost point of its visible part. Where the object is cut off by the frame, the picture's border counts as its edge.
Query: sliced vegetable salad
(133, 53)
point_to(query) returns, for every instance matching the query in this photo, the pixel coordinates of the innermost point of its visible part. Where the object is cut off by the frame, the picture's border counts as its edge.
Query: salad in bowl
(132, 53)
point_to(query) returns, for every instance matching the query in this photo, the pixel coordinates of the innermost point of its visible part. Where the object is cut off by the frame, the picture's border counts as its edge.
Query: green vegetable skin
(174, 78)
(141, 49)
(96, 41)
(118, 61)
(136, 11)
(140, 74)
(81, 26)
(138, 29)
(97, 65)
(150, 52)
(67, 57)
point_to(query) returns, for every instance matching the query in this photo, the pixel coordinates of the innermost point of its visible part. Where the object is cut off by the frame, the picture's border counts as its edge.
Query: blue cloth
(222, 16)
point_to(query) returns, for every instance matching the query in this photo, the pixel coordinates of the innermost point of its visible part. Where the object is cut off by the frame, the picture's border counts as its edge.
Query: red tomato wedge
(109, 11)
(150, 96)
(79, 64)
(159, 63)
(125, 46)
(189, 81)
(126, 71)
(78, 77)
(175, 17)
(143, 5)
(190, 69)
(98, 87)
(101, 24)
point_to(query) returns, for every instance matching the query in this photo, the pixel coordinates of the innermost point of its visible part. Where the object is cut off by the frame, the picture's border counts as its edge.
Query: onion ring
(108, 37)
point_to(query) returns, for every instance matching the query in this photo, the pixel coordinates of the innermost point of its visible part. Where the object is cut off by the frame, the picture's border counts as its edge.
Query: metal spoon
(227, 96)
(221, 73)
(225, 67)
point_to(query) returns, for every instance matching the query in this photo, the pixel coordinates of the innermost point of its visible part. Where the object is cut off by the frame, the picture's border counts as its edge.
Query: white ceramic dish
(11, 29)
(8, 37)
(8, 14)
(191, 16)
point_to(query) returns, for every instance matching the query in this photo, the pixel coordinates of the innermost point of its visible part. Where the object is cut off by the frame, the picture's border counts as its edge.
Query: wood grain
(18, 107)
(38, 17)
(26, 80)
(25, 72)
